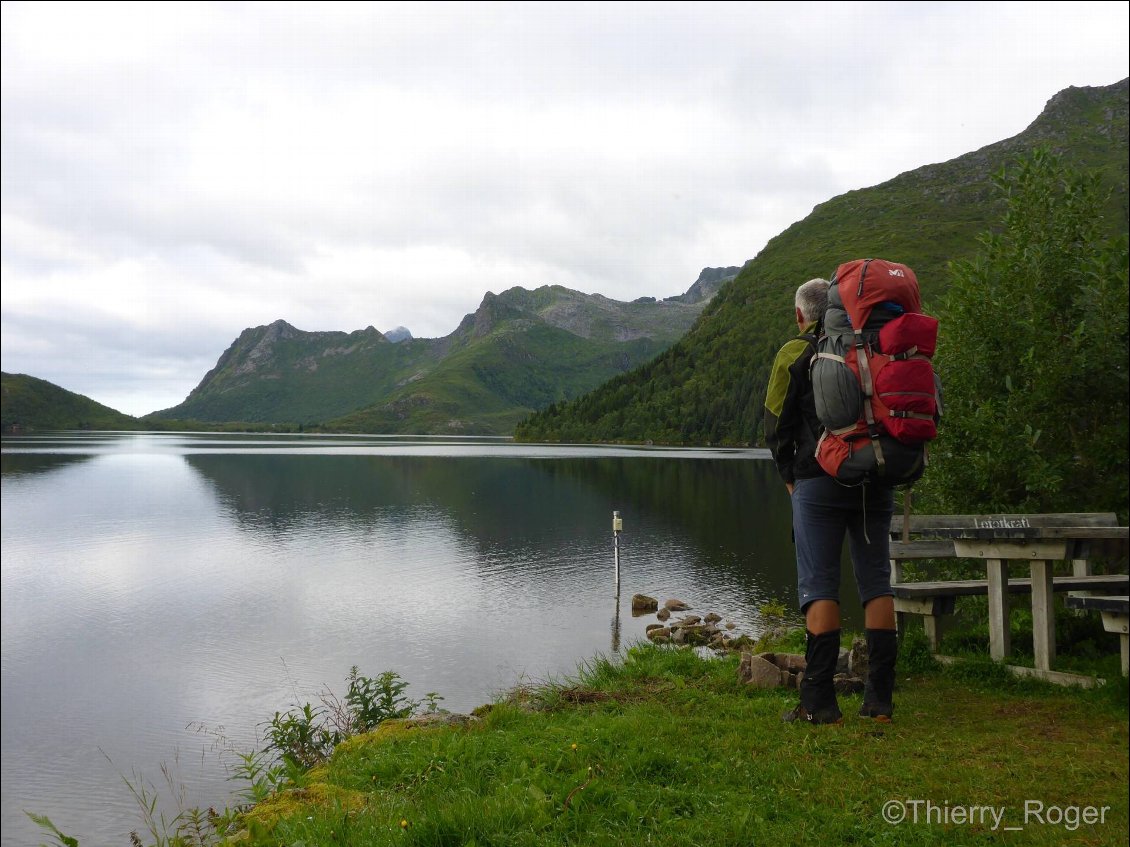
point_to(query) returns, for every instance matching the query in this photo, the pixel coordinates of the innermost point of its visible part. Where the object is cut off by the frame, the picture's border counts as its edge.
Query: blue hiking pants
(823, 513)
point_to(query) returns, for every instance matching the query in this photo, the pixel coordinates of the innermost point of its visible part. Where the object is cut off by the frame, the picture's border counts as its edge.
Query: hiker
(824, 510)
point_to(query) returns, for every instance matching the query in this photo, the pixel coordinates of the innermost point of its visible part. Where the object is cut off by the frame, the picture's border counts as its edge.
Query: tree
(1033, 356)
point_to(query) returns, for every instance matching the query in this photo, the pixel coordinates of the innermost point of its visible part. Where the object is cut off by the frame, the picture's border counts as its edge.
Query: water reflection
(15, 465)
(519, 510)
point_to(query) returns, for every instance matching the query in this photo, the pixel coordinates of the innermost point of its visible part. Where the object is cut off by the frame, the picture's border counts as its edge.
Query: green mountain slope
(28, 403)
(708, 388)
(488, 386)
(279, 374)
(519, 351)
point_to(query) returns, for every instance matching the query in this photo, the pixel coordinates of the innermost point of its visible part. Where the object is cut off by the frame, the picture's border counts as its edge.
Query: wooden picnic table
(1039, 540)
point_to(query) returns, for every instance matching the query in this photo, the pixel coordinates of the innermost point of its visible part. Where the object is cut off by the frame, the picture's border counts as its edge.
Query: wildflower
(404, 824)
(574, 747)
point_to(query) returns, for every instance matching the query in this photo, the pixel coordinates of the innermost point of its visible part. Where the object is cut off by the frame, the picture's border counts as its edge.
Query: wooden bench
(1116, 618)
(997, 540)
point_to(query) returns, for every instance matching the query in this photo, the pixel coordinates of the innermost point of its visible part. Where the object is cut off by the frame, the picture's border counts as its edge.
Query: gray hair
(812, 299)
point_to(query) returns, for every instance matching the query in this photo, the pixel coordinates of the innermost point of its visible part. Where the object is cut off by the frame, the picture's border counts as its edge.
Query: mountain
(520, 351)
(278, 373)
(28, 404)
(708, 387)
(707, 285)
(398, 334)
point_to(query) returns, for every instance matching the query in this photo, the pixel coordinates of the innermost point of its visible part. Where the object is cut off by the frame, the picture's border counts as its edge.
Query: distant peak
(1067, 105)
(398, 334)
(707, 285)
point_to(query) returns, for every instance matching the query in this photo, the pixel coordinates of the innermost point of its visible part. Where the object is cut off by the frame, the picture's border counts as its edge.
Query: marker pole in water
(617, 528)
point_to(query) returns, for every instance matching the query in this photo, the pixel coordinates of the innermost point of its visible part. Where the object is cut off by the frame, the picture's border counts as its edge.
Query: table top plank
(1005, 522)
(922, 549)
(1012, 530)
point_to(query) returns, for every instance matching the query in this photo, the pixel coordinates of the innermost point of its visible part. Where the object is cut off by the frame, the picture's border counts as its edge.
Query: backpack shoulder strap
(813, 338)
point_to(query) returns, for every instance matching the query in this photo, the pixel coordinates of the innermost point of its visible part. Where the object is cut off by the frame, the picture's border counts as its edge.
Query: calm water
(153, 581)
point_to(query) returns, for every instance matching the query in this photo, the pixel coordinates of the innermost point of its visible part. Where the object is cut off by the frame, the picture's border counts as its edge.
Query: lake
(156, 582)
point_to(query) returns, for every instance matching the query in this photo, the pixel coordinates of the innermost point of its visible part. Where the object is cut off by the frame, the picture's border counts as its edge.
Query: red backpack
(876, 392)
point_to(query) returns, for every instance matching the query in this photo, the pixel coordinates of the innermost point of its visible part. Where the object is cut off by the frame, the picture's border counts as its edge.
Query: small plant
(431, 702)
(372, 701)
(300, 737)
(189, 827)
(44, 822)
(773, 608)
(262, 777)
(306, 735)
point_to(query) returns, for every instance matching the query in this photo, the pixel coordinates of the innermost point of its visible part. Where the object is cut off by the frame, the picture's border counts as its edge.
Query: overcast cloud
(174, 173)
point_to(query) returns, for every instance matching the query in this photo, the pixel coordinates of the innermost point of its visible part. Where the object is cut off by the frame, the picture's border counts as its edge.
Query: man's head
(811, 301)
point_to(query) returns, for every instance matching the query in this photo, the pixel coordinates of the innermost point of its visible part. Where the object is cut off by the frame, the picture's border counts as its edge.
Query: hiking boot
(878, 695)
(827, 715)
(817, 688)
(879, 712)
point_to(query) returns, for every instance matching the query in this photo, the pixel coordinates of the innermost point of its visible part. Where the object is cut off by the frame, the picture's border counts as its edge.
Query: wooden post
(932, 624)
(896, 575)
(1081, 566)
(1118, 622)
(1043, 615)
(998, 608)
(900, 617)
(1125, 648)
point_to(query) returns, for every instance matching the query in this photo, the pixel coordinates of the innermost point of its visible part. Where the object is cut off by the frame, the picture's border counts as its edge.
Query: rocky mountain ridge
(278, 373)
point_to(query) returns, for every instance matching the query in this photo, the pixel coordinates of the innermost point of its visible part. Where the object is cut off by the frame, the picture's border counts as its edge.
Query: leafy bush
(1033, 355)
(305, 736)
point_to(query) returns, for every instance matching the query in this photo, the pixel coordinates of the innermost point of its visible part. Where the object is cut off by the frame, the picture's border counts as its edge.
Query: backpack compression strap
(868, 391)
(867, 383)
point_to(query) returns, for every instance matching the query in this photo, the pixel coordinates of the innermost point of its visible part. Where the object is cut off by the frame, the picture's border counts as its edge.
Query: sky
(175, 173)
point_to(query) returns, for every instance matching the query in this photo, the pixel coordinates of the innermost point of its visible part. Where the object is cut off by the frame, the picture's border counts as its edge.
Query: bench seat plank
(1100, 604)
(972, 587)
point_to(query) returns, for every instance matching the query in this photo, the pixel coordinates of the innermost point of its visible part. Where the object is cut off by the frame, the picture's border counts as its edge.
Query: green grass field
(665, 747)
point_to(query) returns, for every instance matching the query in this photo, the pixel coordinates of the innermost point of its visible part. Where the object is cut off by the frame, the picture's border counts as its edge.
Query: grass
(1082, 644)
(665, 747)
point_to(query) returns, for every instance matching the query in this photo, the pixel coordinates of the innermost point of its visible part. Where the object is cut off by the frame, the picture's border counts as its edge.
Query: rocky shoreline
(760, 669)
